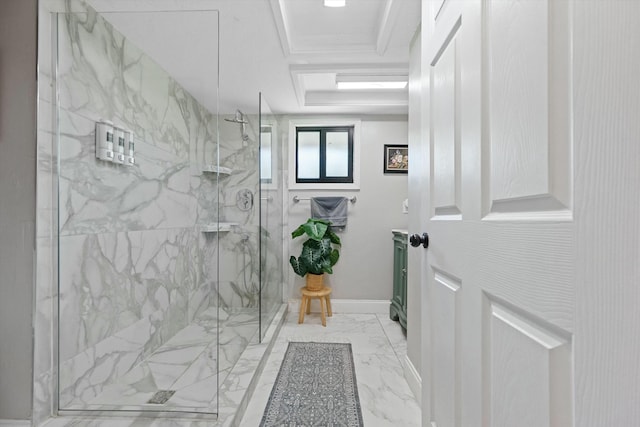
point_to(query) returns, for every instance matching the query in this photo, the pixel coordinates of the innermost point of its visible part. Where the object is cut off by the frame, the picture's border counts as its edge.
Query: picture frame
(396, 158)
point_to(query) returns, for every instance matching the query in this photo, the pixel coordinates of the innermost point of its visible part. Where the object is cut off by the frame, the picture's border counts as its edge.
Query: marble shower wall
(131, 255)
(240, 250)
(239, 280)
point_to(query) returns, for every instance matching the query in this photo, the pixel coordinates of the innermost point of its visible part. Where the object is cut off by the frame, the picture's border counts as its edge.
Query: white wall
(365, 268)
(17, 203)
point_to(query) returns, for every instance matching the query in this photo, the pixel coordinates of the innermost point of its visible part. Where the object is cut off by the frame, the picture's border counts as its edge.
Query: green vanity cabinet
(398, 308)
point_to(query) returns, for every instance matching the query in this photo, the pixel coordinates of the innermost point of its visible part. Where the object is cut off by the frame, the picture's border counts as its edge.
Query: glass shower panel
(138, 189)
(238, 286)
(271, 216)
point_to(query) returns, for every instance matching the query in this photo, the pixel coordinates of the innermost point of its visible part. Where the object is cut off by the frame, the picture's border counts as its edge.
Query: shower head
(239, 118)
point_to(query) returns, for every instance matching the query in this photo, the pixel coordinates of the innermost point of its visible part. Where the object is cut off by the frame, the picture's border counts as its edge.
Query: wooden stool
(325, 303)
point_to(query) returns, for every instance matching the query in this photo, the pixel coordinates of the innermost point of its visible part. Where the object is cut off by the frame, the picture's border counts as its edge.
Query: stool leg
(323, 308)
(302, 308)
(329, 313)
(309, 305)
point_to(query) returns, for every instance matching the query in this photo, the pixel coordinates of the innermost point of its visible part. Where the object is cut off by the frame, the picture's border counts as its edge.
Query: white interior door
(531, 285)
(499, 271)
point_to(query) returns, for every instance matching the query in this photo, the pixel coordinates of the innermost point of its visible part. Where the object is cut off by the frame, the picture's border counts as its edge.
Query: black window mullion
(297, 155)
(323, 154)
(350, 154)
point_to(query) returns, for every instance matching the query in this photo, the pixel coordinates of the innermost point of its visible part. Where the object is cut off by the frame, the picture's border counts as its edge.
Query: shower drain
(161, 396)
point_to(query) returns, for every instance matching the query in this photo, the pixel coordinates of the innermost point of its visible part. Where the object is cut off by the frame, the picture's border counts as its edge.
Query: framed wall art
(396, 158)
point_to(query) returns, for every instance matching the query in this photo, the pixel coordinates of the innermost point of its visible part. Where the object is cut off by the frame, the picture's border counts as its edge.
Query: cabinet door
(399, 267)
(402, 253)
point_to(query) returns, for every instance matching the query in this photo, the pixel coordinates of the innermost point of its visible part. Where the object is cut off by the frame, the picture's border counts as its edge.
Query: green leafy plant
(318, 252)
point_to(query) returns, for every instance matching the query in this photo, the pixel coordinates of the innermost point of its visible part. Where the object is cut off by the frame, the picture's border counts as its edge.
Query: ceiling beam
(297, 71)
(352, 98)
(280, 19)
(387, 22)
(361, 68)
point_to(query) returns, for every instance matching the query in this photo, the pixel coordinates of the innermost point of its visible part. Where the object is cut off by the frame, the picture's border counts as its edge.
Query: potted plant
(318, 254)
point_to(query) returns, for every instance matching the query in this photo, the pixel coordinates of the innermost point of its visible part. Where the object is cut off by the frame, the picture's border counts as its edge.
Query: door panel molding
(527, 141)
(445, 370)
(530, 369)
(445, 130)
(438, 6)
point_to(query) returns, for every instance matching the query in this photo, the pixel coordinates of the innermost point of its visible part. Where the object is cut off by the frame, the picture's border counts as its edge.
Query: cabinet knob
(417, 240)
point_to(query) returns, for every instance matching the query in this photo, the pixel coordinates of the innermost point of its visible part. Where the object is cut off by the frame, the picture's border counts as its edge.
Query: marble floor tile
(169, 364)
(385, 396)
(186, 364)
(204, 366)
(377, 344)
(395, 334)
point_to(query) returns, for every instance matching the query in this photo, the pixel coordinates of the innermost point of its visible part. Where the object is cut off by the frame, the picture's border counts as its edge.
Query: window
(266, 175)
(324, 154)
(352, 125)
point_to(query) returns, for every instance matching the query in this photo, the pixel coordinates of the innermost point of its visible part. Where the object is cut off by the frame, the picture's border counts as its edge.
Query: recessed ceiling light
(335, 3)
(370, 82)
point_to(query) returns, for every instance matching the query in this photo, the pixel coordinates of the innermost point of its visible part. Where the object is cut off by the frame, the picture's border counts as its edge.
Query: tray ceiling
(290, 50)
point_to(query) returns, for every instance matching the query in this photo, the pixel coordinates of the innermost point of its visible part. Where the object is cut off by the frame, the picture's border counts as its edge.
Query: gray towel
(332, 209)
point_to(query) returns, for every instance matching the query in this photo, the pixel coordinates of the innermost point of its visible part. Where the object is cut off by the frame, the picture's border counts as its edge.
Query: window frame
(323, 122)
(323, 178)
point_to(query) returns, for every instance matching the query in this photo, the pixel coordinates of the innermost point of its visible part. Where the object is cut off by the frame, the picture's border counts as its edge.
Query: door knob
(417, 240)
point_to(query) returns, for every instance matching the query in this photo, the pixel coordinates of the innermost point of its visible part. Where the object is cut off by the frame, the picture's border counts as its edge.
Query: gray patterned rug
(316, 386)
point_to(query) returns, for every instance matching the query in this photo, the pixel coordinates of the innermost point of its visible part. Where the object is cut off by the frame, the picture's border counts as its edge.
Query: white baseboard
(15, 423)
(356, 306)
(413, 377)
(351, 306)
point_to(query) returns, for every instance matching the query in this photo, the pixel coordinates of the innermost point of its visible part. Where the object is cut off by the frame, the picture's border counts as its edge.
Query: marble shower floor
(186, 364)
(377, 342)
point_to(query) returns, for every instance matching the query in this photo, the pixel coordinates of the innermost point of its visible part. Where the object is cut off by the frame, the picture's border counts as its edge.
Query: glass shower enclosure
(169, 232)
(271, 215)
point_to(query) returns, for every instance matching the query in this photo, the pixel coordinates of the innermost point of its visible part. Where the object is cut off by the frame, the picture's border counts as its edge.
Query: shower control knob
(417, 240)
(244, 199)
